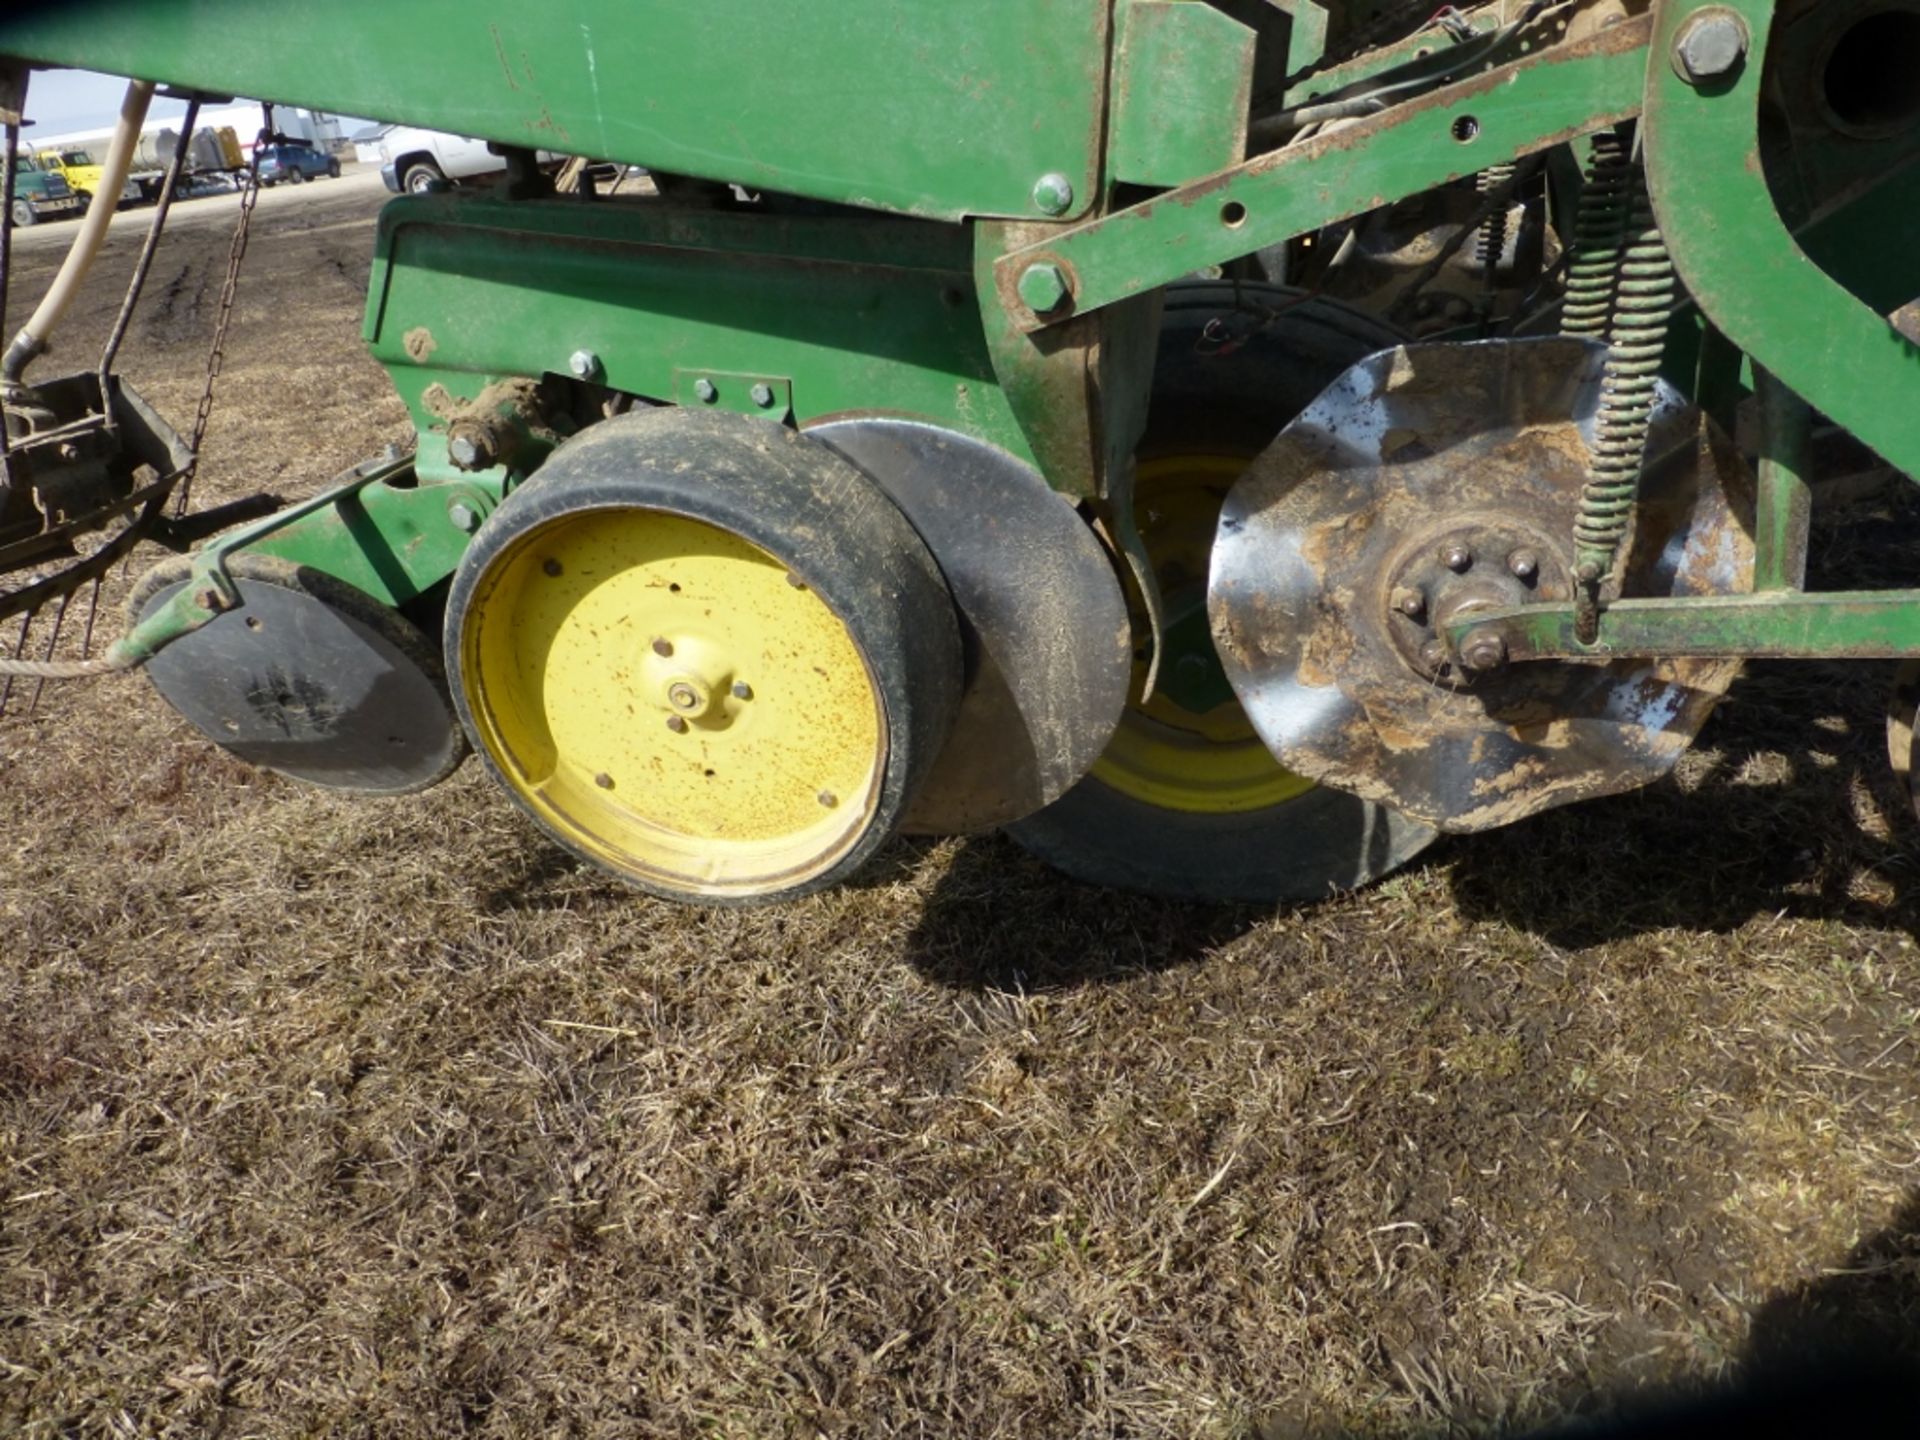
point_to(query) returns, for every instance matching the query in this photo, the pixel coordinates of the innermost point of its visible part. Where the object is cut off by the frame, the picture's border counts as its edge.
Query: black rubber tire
(1215, 401)
(420, 175)
(333, 169)
(799, 501)
(22, 214)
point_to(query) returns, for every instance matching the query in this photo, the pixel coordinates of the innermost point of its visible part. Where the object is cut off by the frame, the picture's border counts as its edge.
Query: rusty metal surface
(1042, 619)
(1357, 509)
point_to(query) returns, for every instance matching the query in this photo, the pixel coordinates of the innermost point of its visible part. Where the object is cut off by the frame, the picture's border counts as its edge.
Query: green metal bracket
(1843, 625)
(1738, 259)
(384, 539)
(768, 396)
(1535, 102)
(1783, 499)
(1182, 86)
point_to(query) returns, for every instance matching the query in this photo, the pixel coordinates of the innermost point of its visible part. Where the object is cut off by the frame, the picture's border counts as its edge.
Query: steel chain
(216, 355)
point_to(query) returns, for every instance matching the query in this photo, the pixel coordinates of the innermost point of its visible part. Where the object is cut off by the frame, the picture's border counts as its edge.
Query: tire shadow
(998, 919)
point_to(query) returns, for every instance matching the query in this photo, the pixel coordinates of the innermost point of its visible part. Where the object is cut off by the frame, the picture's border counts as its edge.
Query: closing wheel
(309, 677)
(1187, 801)
(705, 653)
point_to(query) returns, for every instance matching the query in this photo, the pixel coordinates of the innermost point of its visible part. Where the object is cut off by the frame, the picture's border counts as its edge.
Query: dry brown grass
(323, 1117)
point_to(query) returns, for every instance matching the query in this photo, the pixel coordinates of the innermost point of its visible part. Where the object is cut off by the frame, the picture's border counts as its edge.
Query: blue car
(294, 163)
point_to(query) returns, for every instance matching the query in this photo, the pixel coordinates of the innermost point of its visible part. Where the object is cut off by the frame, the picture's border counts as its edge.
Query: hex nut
(584, 365)
(1409, 602)
(1483, 650)
(463, 516)
(466, 453)
(705, 391)
(1044, 288)
(762, 395)
(1457, 558)
(1523, 565)
(1710, 46)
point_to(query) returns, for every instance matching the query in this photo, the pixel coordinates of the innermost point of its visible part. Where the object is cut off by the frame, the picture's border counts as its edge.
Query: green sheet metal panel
(1183, 80)
(848, 314)
(941, 109)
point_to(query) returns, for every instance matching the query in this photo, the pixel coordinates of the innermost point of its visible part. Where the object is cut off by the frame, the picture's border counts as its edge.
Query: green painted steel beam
(1538, 101)
(1740, 263)
(1849, 625)
(950, 109)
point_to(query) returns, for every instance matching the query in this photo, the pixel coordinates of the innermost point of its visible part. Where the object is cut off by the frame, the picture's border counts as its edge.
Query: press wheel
(1187, 801)
(705, 653)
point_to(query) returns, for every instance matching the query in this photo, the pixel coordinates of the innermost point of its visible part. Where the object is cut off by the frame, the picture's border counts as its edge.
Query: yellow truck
(81, 170)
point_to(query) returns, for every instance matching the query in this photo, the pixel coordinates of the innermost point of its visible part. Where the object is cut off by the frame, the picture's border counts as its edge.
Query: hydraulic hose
(33, 336)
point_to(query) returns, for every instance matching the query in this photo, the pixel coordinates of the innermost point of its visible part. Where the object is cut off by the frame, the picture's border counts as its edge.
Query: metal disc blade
(1042, 617)
(1435, 477)
(311, 678)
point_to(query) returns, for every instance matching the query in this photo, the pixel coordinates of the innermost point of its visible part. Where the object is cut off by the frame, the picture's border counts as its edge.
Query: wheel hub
(1447, 576)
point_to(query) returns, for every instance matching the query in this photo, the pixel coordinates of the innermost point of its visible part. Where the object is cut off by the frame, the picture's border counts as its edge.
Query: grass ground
(386, 1118)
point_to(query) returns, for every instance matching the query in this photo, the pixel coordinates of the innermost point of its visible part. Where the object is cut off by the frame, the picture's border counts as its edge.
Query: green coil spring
(1634, 307)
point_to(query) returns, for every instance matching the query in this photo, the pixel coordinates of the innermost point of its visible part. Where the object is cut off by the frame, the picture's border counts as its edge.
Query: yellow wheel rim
(669, 699)
(1165, 754)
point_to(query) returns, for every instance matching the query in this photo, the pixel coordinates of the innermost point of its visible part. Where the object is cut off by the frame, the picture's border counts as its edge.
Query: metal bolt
(1053, 193)
(550, 567)
(1457, 558)
(829, 799)
(463, 516)
(1710, 46)
(683, 695)
(762, 395)
(1044, 288)
(677, 724)
(742, 690)
(705, 391)
(1433, 655)
(795, 581)
(584, 364)
(1409, 602)
(663, 646)
(466, 453)
(603, 780)
(1523, 565)
(1483, 650)
(208, 599)
(68, 451)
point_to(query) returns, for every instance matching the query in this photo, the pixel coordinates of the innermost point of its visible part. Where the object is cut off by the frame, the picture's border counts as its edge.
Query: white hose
(33, 336)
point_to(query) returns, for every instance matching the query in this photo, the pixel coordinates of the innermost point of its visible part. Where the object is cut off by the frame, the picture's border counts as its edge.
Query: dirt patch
(388, 1118)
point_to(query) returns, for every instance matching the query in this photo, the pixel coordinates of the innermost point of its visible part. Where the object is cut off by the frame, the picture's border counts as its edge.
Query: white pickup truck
(416, 159)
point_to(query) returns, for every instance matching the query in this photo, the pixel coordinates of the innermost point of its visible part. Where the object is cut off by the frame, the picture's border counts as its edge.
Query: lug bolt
(677, 724)
(1457, 558)
(1523, 565)
(1044, 288)
(1483, 650)
(663, 646)
(603, 780)
(550, 567)
(742, 690)
(1053, 193)
(705, 391)
(1433, 655)
(762, 395)
(584, 364)
(1710, 46)
(829, 799)
(463, 516)
(1409, 602)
